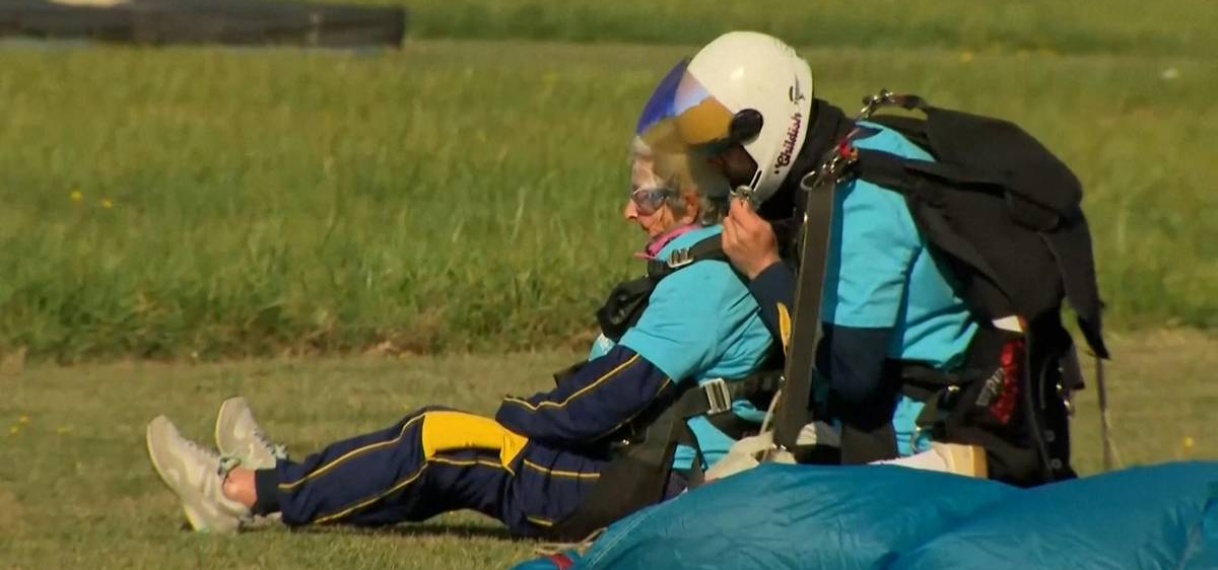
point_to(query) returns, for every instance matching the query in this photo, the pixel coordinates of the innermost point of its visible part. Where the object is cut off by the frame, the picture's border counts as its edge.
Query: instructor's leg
(960, 459)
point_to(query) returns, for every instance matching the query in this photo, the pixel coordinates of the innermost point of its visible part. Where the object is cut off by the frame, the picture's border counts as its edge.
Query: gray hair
(683, 172)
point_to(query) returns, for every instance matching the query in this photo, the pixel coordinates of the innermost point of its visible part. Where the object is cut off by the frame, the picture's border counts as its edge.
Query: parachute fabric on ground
(1147, 517)
(792, 517)
(780, 517)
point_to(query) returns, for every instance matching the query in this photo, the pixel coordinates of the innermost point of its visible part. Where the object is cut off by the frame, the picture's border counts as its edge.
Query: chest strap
(710, 248)
(716, 397)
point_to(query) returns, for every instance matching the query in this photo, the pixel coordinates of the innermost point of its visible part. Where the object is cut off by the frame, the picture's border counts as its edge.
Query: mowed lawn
(76, 489)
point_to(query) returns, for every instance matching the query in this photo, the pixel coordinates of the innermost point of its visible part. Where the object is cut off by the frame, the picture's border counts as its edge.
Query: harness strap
(922, 377)
(641, 468)
(931, 399)
(731, 425)
(714, 400)
(716, 397)
(629, 299)
(709, 249)
(938, 389)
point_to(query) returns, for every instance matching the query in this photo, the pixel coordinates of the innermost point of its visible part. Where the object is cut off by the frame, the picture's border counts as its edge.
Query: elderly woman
(535, 463)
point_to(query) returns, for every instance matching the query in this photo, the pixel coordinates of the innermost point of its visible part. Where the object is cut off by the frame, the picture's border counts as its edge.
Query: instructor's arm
(750, 244)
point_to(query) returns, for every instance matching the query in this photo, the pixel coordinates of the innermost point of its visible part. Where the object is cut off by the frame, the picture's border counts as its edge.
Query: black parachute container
(218, 22)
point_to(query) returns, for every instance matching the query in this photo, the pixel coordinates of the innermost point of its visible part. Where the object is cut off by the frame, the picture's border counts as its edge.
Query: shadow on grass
(418, 530)
(439, 528)
(443, 530)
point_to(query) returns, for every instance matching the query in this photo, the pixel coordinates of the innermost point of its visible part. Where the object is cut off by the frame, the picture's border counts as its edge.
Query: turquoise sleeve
(680, 331)
(875, 245)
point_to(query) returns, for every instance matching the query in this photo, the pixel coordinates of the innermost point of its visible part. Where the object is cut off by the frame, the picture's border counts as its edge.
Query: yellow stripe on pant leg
(397, 487)
(289, 486)
(405, 483)
(547, 523)
(445, 431)
(560, 473)
(466, 462)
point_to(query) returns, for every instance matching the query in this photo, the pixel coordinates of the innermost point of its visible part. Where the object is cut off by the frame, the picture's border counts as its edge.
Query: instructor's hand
(748, 240)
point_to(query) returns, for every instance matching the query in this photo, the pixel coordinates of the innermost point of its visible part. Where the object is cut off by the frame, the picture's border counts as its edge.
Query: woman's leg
(432, 461)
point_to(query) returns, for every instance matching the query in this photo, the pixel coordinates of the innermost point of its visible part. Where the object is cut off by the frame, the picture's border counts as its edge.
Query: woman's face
(648, 205)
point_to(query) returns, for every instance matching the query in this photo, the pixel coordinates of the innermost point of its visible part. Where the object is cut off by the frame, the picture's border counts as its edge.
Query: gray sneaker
(196, 475)
(239, 435)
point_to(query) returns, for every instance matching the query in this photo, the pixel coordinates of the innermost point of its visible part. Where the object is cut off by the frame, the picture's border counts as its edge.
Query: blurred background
(450, 175)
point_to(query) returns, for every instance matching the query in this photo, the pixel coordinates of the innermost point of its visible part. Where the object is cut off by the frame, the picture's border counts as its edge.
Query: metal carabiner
(873, 103)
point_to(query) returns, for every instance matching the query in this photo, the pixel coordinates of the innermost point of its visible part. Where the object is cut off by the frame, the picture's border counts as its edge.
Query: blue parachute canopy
(792, 517)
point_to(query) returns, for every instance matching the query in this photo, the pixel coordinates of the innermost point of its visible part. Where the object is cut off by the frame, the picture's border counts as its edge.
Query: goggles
(649, 200)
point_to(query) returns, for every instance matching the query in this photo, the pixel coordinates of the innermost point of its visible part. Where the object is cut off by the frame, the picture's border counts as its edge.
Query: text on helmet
(788, 143)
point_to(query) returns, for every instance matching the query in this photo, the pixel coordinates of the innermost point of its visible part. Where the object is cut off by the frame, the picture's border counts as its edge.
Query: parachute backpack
(1002, 215)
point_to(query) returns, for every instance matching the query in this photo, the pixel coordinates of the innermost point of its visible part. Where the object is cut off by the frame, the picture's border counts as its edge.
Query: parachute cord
(769, 414)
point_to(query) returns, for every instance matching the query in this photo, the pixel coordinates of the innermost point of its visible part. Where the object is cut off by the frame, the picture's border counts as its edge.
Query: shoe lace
(278, 450)
(226, 466)
(194, 446)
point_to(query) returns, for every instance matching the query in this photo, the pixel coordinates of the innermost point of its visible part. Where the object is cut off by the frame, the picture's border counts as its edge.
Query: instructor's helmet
(743, 88)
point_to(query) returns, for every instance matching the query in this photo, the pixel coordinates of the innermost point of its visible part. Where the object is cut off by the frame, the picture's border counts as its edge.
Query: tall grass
(467, 195)
(1086, 26)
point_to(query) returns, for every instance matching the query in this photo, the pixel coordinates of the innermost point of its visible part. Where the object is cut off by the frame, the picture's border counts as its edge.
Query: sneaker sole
(197, 521)
(224, 406)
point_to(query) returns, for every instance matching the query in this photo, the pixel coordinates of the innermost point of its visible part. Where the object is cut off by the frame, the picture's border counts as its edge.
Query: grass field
(1112, 26)
(465, 195)
(76, 489)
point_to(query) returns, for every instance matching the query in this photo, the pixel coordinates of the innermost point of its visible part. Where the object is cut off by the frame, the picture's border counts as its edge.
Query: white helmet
(742, 88)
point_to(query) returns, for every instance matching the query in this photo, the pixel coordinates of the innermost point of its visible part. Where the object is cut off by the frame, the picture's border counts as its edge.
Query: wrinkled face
(647, 205)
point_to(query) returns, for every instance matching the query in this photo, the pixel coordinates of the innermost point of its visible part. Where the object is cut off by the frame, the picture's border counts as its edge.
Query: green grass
(77, 491)
(1114, 26)
(466, 195)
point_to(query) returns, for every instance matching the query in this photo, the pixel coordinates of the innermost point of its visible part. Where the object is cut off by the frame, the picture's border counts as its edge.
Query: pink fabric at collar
(657, 245)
